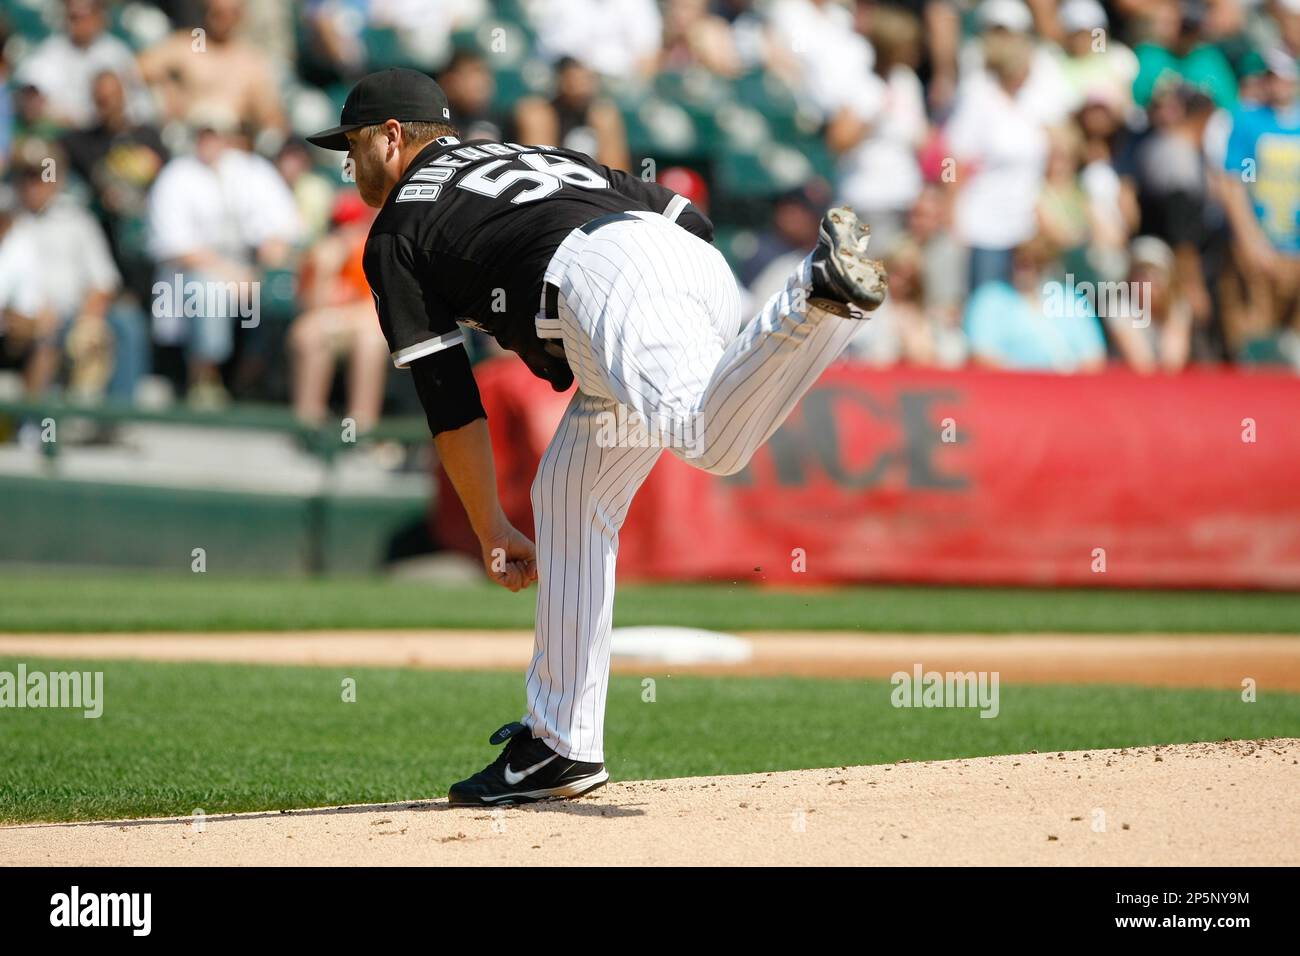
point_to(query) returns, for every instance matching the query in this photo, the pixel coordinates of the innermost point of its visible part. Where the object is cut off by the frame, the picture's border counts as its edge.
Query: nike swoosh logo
(514, 779)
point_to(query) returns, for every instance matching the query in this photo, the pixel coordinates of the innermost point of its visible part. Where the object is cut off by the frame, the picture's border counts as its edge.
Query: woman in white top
(877, 146)
(1000, 146)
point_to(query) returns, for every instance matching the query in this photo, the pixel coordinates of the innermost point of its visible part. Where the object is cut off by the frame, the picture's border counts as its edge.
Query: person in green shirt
(1175, 51)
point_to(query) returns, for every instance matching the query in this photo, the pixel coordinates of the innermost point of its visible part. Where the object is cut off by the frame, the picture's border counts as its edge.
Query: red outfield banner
(969, 477)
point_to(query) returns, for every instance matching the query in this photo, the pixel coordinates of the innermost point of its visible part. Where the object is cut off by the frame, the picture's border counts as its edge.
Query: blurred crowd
(1056, 185)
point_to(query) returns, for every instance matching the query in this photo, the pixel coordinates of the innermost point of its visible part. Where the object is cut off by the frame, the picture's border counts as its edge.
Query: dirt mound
(1230, 803)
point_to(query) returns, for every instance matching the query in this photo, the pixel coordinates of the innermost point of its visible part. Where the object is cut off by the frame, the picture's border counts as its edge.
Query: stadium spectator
(32, 118)
(1073, 120)
(1062, 209)
(943, 259)
(215, 219)
(334, 41)
(1275, 24)
(814, 47)
(576, 118)
(1000, 145)
(795, 221)
(1097, 66)
(105, 336)
(64, 66)
(613, 38)
(1042, 92)
(748, 32)
(347, 38)
(1176, 53)
(313, 193)
(7, 106)
(339, 321)
(1252, 81)
(695, 37)
(1034, 323)
(941, 34)
(879, 175)
(1171, 179)
(27, 325)
(470, 88)
(119, 159)
(1260, 189)
(1153, 332)
(1113, 209)
(903, 329)
(213, 68)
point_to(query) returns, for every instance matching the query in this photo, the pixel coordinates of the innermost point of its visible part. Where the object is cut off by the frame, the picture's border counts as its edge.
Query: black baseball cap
(407, 96)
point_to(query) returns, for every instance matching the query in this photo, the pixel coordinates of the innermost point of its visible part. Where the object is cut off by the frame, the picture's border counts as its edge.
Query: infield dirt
(1220, 661)
(1230, 803)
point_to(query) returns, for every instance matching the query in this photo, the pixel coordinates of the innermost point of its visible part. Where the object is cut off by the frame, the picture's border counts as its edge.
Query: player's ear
(393, 138)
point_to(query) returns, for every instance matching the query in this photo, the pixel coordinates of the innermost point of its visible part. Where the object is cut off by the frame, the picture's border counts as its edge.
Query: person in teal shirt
(1034, 324)
(1176, 54)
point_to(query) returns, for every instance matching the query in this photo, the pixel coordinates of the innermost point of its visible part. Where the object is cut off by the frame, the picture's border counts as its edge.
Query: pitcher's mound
(1230, 803)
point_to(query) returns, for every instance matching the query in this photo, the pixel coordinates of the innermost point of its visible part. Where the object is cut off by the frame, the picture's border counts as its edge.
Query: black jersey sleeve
(421, 334)
(413, 321)
(662, 200)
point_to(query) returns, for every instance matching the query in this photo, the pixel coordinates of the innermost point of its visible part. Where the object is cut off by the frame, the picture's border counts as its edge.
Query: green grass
(72, 601)
(222, 737)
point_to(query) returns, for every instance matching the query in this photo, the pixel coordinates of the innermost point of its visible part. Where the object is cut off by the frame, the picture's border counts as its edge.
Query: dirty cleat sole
(845, 281)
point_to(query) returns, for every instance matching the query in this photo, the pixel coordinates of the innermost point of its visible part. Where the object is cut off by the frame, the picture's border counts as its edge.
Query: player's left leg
(581, 494)
(580, 497)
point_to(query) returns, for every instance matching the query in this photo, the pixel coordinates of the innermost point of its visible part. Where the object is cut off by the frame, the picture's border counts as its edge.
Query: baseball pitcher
(591, 274)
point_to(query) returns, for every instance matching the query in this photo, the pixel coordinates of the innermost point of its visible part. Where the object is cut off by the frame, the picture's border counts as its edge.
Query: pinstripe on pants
(650, 319)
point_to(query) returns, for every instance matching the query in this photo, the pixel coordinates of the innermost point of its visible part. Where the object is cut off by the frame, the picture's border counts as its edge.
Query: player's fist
(510, 559)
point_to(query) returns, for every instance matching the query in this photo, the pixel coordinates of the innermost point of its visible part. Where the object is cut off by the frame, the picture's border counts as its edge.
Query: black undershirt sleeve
(447, 390)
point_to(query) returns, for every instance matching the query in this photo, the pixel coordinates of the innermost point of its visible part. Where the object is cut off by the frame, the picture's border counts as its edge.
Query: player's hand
(510, 559)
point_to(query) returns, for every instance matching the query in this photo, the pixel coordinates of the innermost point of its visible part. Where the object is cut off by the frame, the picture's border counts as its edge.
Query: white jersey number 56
(546, 174)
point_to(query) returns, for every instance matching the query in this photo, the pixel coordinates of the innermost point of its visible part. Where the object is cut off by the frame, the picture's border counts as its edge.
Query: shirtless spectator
(215, 70)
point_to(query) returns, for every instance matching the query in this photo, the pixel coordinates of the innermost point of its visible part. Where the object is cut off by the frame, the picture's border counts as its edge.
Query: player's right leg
(651, 319)
(777, 357)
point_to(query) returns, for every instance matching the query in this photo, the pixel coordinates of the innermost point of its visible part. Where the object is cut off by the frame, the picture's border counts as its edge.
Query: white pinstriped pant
(650, 320)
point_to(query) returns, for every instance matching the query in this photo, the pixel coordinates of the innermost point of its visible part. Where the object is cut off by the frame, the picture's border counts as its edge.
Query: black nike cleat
(844, 280)
(527, 770)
